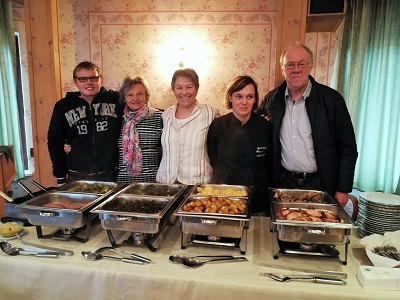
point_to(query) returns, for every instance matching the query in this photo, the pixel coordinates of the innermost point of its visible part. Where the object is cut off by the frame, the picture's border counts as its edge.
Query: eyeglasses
(301, 65)
(85, 79)
(138, 95)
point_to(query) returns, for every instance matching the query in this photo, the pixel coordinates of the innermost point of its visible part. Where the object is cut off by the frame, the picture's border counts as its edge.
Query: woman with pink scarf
(140, 140)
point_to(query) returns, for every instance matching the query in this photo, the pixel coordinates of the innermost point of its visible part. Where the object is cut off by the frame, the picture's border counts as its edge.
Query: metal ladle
(178, 259)
(11, 250)
(195, 263)
(93, 255)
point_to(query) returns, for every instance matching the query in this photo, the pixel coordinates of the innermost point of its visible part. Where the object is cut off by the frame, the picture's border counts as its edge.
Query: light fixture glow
(184, 49)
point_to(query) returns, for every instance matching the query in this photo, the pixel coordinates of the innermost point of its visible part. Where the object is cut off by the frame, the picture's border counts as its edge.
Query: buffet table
(73, 277)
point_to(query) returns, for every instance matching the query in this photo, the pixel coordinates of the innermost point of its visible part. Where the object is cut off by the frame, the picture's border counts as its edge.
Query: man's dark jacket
(332, 134)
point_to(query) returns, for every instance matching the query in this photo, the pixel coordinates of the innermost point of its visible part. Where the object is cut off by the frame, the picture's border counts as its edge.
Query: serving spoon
(11, 250)
(93, 255)
(195, 263)
(179, 258)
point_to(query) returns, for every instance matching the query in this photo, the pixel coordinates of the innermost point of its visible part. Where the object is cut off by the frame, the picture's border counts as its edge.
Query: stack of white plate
(378, 213)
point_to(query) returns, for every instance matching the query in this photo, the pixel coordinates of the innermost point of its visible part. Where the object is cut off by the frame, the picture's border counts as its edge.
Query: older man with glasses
(313, 137)
(89, 121)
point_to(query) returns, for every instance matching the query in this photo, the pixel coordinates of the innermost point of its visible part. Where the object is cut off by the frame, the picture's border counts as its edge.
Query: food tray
(154, 189)
(150, 223)
(89, 187)
(131, 205)
(221, 190)
(301, 196)
(38, 214)
(313, 232)
(213, 224)
(196, 198)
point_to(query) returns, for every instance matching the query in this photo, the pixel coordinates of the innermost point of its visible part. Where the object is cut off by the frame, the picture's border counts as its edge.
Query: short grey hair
(297, 44)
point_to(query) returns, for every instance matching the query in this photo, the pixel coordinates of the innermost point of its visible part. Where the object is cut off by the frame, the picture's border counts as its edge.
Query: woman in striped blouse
(139, 142)
(185, 159)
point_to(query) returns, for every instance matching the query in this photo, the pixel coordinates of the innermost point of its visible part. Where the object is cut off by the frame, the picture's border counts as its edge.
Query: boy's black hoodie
(92, 130)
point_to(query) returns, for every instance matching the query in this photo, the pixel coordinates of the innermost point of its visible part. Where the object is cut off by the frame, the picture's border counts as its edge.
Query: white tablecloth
(73, 277)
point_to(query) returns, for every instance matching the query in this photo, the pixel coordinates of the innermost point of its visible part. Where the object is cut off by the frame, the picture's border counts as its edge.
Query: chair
(354, 211)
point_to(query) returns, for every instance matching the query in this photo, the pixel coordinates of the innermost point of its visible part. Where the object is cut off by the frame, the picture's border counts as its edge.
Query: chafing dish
(310, 235)
(146, 227)
(314, 232)
(68, 211)
(213, 228)
(145, 222)
(39, 214)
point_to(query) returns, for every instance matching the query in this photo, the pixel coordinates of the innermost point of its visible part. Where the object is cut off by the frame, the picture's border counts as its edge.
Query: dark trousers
(288, 181)
(107, 177)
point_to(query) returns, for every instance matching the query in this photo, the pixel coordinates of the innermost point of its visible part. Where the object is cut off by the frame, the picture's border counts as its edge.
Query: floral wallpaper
(220, 39)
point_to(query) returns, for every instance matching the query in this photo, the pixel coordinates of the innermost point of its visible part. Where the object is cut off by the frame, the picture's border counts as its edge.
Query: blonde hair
(128, 83)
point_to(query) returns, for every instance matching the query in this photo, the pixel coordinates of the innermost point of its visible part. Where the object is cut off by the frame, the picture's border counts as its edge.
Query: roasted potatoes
(209, 190)
(221, 205)
(10, 229)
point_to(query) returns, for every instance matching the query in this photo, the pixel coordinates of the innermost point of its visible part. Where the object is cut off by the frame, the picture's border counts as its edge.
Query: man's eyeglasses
(138, 95)
(301, 65)
(85, 79)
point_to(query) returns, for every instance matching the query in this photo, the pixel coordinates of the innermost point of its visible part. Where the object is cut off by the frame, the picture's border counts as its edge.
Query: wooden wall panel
(292, 16)
(44, 77)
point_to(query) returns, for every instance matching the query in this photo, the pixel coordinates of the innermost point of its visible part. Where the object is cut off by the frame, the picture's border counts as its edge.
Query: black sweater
(241, 155)
(92, 130)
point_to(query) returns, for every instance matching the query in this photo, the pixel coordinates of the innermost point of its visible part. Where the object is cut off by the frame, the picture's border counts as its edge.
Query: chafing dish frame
(154, 226)
(221, 226)
(73, 220)
(311, 232)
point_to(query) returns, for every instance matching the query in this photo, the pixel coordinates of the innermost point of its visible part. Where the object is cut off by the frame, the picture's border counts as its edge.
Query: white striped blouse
(183, 141)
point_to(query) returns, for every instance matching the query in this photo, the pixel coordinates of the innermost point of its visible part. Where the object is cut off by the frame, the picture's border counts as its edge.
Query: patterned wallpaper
(220, 39)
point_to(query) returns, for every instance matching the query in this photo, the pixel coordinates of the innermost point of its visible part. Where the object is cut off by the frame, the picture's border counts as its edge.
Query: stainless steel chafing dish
(68, 211)
(213, 228)
(39, 214)
(314, 232)
(121, 211)
(310, 232)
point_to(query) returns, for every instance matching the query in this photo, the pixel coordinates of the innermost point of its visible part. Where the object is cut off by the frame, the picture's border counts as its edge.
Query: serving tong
(62, 252)
(315, 279)
(112, 251)
(12, 250)
(115, 254)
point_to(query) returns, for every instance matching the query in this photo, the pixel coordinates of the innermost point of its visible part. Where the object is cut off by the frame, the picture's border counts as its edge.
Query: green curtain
(367, 74)
(9, 124)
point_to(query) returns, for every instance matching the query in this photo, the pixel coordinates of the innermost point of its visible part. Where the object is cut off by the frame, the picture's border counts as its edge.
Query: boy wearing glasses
(313, 137)
(90, 121)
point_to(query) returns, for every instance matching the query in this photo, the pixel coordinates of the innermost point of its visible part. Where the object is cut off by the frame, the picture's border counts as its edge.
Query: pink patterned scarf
(131, 151)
